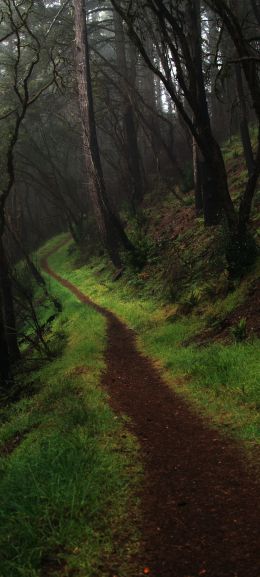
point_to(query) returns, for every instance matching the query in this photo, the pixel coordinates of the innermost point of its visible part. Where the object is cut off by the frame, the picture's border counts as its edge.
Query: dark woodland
(129, 183)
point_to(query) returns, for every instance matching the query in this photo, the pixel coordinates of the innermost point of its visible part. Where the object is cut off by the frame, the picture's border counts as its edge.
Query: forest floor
(200, 512)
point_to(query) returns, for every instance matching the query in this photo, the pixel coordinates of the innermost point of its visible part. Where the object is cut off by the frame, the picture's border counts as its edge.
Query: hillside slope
(201, 325)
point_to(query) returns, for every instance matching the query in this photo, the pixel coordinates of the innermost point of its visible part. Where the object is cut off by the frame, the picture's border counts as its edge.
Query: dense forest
(129, 287)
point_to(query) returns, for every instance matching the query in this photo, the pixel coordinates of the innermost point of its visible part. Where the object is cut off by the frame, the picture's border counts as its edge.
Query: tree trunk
(111, 230)
(256, 10)
(8, 306)
(245, 136)
(133, 155)
(246, 202)
(197, 178)
(5, 369)
(219, 112)
(211, 198)
(149, 92)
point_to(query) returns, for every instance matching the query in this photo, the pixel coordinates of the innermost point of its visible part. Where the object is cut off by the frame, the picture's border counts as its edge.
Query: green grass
(67, 489)
(222, 381)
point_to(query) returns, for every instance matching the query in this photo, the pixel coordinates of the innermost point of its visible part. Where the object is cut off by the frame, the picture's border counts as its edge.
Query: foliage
(35, 309)
(239, 331)
(240, 253)
(145, 248)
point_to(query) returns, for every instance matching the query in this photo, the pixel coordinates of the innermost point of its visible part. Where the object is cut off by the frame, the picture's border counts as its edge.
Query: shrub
(239, 331)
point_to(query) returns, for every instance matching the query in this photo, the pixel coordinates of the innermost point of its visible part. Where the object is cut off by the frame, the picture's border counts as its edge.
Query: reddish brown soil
(200, 506)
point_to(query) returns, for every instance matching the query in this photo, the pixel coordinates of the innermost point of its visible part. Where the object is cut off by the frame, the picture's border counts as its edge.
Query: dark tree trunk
(111, 229)
(5, 369)
(197, 179)
(211, 198)
(148, 86)
(133, 155)
(256, 9)
(244, 130)
(246, 202)
(8, 306)
(211, 209)
(216, 108)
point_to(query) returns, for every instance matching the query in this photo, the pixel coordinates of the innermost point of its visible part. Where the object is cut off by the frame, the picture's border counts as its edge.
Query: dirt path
(200, 507)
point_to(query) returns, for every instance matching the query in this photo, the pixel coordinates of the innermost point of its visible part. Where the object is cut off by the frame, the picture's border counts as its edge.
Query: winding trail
(201, 512)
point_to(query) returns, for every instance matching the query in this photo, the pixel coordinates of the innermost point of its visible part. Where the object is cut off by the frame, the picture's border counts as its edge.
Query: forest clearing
(129, 288)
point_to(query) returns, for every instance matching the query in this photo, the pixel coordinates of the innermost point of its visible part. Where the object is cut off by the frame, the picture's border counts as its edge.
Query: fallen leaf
(146, 570)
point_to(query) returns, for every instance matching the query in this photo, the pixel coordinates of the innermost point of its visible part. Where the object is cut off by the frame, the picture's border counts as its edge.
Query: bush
(145, 247)
(239, 331)
(240, 253)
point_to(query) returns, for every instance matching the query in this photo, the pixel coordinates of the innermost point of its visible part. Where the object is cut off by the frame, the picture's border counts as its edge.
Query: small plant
(239, 331)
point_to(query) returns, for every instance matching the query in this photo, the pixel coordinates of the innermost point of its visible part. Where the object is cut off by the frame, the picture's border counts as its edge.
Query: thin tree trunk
(256, 10)
(111, 230)
(8, 306)
(5, 369)
(245, 136)
(33, 269)
(197, 178)
(148, 84)
(247, 200)
(129, 116)
(211, 198)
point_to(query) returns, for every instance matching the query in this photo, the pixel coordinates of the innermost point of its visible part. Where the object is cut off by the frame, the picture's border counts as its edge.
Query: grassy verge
(221, 380)
(68, 467)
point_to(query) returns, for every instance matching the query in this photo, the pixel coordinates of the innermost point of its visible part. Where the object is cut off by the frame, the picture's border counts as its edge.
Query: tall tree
(133, 154)
(248, 57)
(211, 199)
(24, 54)
(110, 227)
(182, 77)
